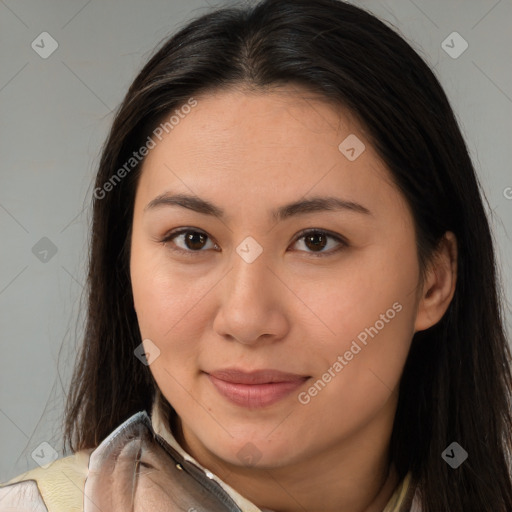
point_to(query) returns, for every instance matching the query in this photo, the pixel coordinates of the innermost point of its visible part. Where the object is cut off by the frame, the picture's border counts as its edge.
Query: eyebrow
(300, 207)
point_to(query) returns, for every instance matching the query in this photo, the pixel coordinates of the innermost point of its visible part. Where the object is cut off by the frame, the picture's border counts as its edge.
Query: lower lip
(255, 395)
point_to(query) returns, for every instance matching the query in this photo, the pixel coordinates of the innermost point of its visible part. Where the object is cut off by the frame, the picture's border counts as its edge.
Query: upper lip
(237, 376)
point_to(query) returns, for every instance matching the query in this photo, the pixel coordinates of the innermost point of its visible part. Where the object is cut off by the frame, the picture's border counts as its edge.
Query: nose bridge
(249, 269)
(248, 308)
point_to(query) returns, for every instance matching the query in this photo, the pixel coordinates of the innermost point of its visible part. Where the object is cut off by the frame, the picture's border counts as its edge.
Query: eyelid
(169, 236)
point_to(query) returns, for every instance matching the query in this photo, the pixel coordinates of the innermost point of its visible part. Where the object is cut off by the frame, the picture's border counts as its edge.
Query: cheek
(169, 302)
(157, 291)
(365, 314)
(345, 299)
(167, 314)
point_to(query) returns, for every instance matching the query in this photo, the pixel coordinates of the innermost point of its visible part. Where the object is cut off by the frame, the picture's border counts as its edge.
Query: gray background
(54, 116)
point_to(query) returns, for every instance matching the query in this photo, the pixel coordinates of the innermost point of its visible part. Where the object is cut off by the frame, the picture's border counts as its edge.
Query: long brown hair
(457, 383)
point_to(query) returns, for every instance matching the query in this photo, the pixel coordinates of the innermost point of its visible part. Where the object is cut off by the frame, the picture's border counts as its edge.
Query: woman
(293, 302)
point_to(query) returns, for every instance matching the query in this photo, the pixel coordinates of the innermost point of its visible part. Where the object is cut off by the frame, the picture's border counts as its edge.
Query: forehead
(238, 146)
(279, 118)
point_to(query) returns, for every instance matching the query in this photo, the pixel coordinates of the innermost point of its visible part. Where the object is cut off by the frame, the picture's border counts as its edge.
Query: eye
(191, 240)
(317, 240)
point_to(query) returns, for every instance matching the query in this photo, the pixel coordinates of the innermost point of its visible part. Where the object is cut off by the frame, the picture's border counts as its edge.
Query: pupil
(310, 239)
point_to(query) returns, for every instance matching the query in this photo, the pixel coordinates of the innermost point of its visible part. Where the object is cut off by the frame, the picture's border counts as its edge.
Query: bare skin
(207, 308)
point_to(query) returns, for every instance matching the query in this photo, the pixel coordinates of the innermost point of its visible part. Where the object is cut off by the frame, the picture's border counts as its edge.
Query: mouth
(257, 388)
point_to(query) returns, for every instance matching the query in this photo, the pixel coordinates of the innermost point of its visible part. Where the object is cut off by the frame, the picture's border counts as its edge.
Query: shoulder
(133, 465)
(55, 488)
(61, 486)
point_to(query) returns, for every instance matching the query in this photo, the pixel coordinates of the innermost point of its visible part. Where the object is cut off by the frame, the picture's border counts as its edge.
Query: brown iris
(195, 240)
(315, 241)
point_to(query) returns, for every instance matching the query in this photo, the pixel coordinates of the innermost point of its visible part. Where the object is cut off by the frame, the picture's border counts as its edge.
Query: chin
(256, 453)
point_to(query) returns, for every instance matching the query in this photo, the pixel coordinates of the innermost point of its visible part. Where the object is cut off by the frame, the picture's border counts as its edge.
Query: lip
(257, 388)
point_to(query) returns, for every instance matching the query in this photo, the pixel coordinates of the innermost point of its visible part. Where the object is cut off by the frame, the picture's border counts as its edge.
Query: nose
(252, 303)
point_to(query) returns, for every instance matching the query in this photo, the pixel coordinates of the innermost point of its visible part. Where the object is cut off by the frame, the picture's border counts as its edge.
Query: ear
(439, 285)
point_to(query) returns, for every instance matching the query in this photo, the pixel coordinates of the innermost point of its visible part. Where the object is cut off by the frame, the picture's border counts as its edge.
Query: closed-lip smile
(255, 388)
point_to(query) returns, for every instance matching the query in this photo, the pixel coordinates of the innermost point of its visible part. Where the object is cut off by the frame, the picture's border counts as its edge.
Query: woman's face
(246, 288)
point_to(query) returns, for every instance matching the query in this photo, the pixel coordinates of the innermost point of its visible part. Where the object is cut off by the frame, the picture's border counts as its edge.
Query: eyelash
(302, 234)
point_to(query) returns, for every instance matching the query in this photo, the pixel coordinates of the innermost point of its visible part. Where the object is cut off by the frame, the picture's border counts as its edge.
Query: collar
(161, 427)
